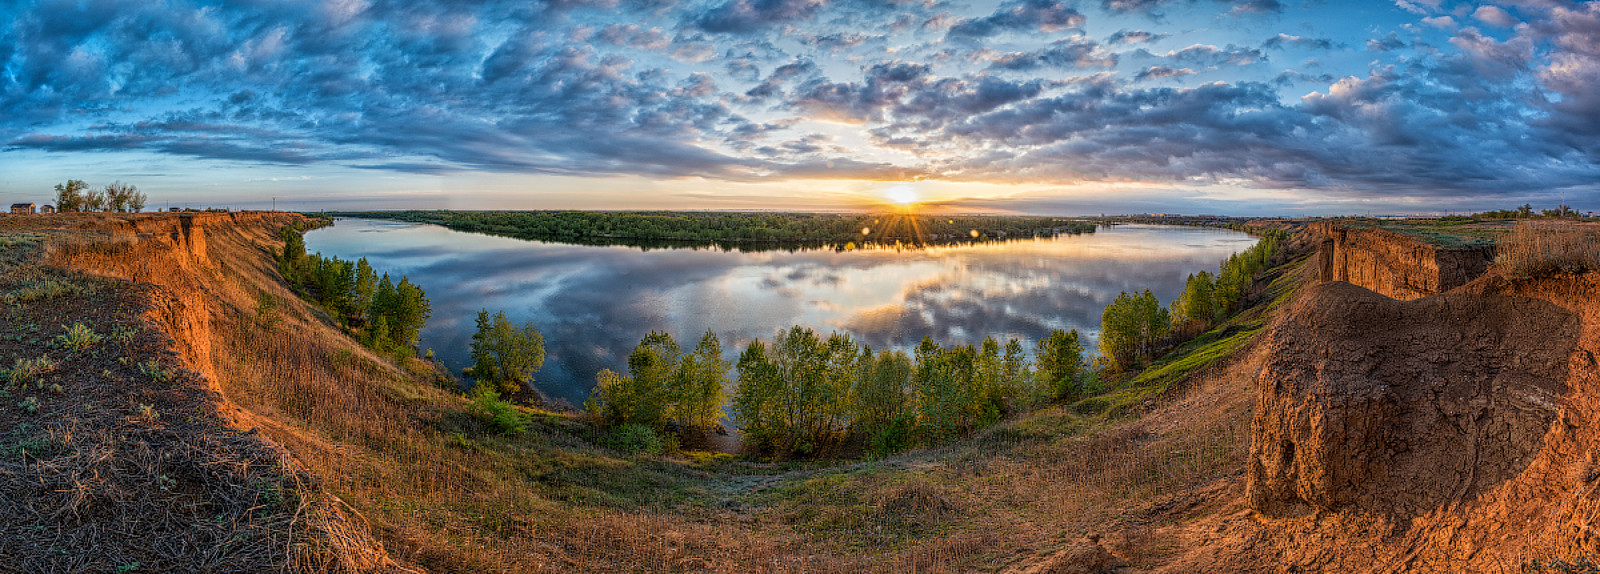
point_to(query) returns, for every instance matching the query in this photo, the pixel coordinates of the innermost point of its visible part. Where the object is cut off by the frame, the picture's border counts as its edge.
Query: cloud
(1021, 15)
(1069, 53)
(1441, 22)
(741, 90)
(1159, 72)
(1388, 43)
(1154, 8)
(1282, 40)
(1134, 37)
(1494, 16)
(749, 16)
(1207, 55)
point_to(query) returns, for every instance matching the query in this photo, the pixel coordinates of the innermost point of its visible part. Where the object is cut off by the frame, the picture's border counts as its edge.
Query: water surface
(594, 303)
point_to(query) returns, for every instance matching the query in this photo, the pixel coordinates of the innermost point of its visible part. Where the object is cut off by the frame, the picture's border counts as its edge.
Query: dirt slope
(1452, 433)
(168, 282)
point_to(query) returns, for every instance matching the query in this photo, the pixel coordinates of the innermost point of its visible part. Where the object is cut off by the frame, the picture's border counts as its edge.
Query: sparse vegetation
(155, 371)
(24, 371)
(1534, 249)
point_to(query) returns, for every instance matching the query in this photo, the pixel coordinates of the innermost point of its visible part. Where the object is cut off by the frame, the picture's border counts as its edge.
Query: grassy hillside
(416, 466)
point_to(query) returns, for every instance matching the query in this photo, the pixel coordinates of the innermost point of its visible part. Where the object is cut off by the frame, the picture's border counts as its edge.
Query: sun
(903, 195)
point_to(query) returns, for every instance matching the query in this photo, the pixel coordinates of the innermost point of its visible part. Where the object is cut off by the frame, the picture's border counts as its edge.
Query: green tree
(622, 400)
(69, 196)
(366, 284)
(124, 198)
(758, 400)
(943, 390)
(504, 355)
(1196, 307)
(1060, 360)
(705, 375)
(883, 401)
(1131, 327)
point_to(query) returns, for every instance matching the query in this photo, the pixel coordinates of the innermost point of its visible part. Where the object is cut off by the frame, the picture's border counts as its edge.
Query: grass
(442, 483)
(1538, 249)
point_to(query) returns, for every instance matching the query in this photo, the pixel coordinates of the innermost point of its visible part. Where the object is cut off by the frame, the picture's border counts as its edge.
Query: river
(594, 303)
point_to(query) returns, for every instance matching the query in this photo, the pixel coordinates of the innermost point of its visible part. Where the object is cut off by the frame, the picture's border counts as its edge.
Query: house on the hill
(47, 209)
(21, 208)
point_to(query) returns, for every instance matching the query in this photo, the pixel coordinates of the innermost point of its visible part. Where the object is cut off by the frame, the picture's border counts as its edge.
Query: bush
(500, 416)
(634, 437)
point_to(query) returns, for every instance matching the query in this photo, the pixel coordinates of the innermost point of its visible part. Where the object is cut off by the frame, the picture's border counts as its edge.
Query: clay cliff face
(1393, 264)
(1373, 404)
(1448, 433)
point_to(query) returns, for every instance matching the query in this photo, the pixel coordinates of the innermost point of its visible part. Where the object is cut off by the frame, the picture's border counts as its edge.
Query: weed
(153, 369)
(45, 289)
(148, 412)
(30, 404)
(124, 335)
(267, 311)
(24, 371)
(79, 337)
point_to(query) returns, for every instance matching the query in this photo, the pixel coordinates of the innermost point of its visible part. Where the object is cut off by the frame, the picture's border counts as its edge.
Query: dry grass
(1542, 248)
(443, 491)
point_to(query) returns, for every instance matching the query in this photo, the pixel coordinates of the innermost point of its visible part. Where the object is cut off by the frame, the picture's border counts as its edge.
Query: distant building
(174, 209)
(21, 208)
(47, 209)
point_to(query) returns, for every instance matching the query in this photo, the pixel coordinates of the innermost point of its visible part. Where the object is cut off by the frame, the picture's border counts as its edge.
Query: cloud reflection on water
(594, 303)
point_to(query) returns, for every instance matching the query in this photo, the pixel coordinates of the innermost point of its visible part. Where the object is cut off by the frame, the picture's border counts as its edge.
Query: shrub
(1534, 249)
(500, 416)
(634, 437)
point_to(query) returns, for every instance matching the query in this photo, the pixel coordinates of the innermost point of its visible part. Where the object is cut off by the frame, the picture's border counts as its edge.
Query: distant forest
(742, 229)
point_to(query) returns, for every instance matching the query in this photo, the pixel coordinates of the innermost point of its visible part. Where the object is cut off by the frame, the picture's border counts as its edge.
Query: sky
(1248, 107)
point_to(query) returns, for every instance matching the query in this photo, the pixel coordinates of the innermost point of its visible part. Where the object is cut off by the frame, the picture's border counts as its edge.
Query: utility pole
(274, 204)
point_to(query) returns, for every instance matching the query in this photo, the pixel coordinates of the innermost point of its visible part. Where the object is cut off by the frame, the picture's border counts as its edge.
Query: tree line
(384, 315)
(802, 392)
(1134, 327)
(739, 227)
(76, 195)
(1526, 211)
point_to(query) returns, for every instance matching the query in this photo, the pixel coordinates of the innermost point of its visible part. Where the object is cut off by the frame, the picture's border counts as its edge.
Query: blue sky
(1039, 106)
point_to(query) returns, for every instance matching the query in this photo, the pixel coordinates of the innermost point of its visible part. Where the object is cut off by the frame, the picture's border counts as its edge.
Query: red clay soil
(1453, 433)
(124, 456)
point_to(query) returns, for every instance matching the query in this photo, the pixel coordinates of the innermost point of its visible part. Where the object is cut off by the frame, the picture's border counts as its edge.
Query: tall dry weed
(1541, 248)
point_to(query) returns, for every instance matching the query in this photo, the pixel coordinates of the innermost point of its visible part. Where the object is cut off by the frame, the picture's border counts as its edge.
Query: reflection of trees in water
(594, 305)
(791, 232)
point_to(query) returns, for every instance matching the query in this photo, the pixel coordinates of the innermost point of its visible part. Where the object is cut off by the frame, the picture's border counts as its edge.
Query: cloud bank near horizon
(1428, 99)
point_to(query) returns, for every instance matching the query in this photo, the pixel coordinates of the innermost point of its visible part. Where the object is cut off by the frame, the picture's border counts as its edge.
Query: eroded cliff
(1452, 432)
(1393, 264)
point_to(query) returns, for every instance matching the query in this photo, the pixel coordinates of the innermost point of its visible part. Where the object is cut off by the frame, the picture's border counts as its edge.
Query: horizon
(1022, 107)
